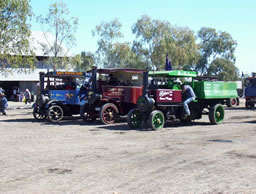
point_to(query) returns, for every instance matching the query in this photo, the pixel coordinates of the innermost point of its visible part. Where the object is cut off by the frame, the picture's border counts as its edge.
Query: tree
(214, 45)
(14, 34)
(155, 38)
(63, 27)
(111, 52)
(108, 33)
(223, 69)
(84, 62)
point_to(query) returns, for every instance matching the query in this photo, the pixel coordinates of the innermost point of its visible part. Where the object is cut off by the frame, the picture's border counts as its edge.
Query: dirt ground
(70, 156)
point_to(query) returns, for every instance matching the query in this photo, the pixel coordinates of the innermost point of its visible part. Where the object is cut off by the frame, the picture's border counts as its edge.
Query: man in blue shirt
(188, 96)
(3, 103)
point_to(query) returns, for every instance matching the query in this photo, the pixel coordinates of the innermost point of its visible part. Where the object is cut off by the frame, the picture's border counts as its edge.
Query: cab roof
(112, 70)
(65, 74)
(174, 73)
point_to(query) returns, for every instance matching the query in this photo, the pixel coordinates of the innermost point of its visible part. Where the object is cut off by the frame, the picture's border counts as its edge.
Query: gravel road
(70, 156)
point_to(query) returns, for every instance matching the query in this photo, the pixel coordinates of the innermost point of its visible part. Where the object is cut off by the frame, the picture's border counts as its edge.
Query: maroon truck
(114, 92)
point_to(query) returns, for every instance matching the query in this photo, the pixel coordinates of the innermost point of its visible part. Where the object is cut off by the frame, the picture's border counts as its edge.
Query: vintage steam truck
(162, 99)
(113, 93)
(250, 91)
(59, 95)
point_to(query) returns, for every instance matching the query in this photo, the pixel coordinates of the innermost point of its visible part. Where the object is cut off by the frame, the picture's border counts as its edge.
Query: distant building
(16, 82)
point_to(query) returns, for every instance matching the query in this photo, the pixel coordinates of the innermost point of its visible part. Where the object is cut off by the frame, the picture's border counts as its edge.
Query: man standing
(83, 92)
(3, 103)
(188, 96)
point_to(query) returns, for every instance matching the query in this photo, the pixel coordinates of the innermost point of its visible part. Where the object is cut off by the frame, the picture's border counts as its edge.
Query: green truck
(162, 99)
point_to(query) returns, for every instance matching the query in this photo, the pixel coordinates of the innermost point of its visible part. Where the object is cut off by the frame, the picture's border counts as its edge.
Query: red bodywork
(128, 94)
(167, 95)
(123, 96)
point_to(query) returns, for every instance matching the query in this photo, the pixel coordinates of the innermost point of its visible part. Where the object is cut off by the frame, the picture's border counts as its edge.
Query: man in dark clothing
(189, 96)
(83, 92)
(168, 64)
(3, 103)
(113, 80)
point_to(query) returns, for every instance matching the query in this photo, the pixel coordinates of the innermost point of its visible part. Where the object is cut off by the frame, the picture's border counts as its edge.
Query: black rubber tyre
(38, 115)
(109, 113)
(156, 120)
(231, 102)
(216, 114)
(87, 115)
(134, 119)
(249, 105)
(237, 101)
(55, 113)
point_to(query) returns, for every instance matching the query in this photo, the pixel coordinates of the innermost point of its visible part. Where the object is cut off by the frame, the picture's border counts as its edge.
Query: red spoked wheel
(109, 113)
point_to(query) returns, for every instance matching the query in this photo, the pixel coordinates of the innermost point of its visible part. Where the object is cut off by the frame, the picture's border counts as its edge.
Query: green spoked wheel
(134, 119)
(156, 120)
(216, 114)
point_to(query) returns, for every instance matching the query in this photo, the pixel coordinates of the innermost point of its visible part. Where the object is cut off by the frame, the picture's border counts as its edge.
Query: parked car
(59, 95)
(113, 93)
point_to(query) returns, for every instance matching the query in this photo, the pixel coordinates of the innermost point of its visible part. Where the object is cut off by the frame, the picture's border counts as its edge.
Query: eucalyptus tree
(155, 38)
(213, 45)
(14, 34)
(62, 27)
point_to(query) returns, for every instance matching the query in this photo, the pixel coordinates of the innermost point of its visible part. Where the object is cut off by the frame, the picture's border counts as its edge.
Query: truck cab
(250, 91)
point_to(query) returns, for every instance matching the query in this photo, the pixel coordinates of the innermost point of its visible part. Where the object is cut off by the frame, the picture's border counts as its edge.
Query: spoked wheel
(55, 113)
(38, 114)
(134, 119)
(233, 102)
(156, 120)
(87, 115)
(229, 102)
(108, 113)
(216, 114)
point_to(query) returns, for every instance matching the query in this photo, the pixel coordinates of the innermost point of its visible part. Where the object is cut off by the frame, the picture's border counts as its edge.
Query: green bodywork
(215, 89)
(173, 73)
(203, 89)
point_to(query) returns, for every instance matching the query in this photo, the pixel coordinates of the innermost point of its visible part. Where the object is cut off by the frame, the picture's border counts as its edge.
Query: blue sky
(237, 17)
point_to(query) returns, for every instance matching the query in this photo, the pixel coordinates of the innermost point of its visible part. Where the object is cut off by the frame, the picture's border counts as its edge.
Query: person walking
(27, 96)
(3, 103)
(188, 95)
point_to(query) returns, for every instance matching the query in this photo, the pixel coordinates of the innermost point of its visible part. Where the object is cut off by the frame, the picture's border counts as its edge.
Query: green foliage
(84, 62)
(63, 27)
(223, 69)
(156, 38)
(213, 45)
(14, 34)
(110, 52)
(213, 55)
